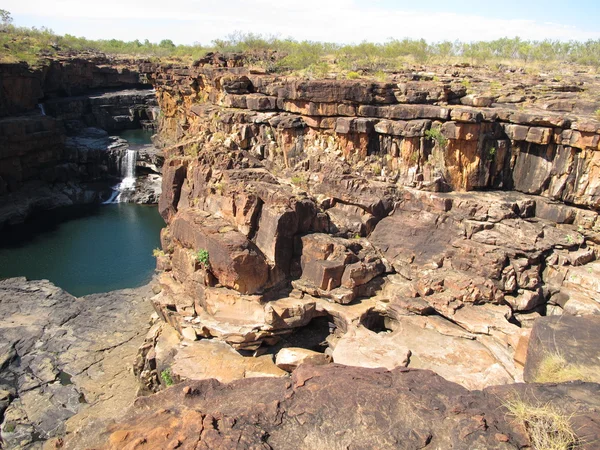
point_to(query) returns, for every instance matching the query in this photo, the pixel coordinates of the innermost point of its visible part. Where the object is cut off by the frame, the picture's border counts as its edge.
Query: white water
(42, 109)
(128, 182)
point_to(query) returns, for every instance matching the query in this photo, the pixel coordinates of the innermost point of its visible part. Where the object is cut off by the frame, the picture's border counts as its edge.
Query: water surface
(84, 249)
(137, 137)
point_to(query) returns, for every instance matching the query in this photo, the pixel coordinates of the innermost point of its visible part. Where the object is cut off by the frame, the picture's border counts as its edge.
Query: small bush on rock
(435, 134)
(167, 378)
(202, 257)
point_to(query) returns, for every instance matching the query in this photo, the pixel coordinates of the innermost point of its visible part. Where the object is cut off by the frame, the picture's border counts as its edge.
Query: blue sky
(189, 21)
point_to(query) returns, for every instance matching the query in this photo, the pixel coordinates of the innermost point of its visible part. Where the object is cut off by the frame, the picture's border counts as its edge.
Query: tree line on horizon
(29, 44)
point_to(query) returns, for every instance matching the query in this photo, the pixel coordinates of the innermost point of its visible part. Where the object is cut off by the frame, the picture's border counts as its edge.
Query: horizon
(353, 21)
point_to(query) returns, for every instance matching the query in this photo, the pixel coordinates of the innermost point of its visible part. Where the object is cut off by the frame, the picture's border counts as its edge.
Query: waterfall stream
(128, 182)
(42, 109)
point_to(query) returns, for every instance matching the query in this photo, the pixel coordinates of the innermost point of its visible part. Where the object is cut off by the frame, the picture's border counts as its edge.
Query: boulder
(290, 358)
(361, 347)
(563, 348)
(212, 359)
(234, 260)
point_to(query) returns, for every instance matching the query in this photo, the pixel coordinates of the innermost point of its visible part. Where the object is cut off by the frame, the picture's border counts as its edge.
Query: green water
(137, 137)
(84, 250)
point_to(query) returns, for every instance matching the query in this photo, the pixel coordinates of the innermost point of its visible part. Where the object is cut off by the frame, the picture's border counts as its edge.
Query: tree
(5, 18)
(166, 43)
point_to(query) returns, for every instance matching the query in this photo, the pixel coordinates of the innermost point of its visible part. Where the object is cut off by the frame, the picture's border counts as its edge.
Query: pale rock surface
(206, 359)
(361, 347)
(290, 358)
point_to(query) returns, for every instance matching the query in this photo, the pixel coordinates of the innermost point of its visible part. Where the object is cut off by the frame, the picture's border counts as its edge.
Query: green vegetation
(202, 257)
(9, 427)
(353, 75)
(167, 378)
(548, 427)
(316, 59)
(555, 369)
(157, 253)
(5, 18)
(597, 114)
(491, 153)
(298, 180)
(435, 134)
(192, 150)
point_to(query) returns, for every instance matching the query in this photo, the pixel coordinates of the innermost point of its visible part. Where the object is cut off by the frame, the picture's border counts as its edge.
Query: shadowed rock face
(340, 407)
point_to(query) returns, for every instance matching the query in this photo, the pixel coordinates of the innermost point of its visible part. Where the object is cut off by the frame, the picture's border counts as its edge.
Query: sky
(341, 21)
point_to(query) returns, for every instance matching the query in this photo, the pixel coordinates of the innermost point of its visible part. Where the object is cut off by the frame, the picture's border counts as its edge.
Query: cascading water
(128, 182)
(129, 175)
(42, 109)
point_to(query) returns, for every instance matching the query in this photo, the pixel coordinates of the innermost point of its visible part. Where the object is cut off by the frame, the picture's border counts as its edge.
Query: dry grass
(555, 369)
(547, 427)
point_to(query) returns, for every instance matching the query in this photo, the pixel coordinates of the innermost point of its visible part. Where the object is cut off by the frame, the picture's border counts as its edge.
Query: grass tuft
(548, 428)
(555, 369)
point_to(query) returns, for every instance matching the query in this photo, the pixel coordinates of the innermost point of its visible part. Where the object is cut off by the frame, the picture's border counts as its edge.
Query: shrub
(435, 134)
(298, 180)
(318, 70)
(597, 114)
(352, 75)
(192, 150)
(202, 257)
(166, 377)
(157, 253)
(380, 76)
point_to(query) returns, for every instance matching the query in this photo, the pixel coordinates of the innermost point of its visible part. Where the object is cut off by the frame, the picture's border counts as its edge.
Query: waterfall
(129, 172)
(128, 182)
(42, 109)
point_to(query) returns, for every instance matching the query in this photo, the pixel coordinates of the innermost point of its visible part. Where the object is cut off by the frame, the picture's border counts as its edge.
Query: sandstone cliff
(360, 203)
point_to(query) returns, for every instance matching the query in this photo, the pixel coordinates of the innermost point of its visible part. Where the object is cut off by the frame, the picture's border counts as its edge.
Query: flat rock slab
(575, 340)
(364, 348)
(65, 361)
(205, 359)
(332, 406)
(447, 350)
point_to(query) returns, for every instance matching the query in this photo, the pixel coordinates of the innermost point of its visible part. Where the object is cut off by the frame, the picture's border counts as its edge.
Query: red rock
(235, 261)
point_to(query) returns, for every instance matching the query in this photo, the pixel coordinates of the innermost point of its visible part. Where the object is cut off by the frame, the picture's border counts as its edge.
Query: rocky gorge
(346, 264)
(57, 131)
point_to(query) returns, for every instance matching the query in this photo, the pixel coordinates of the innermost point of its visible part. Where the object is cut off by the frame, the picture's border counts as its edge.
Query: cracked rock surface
(343, 407)
(65, 362)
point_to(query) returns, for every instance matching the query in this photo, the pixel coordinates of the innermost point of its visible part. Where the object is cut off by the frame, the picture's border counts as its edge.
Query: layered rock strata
(290, 201)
